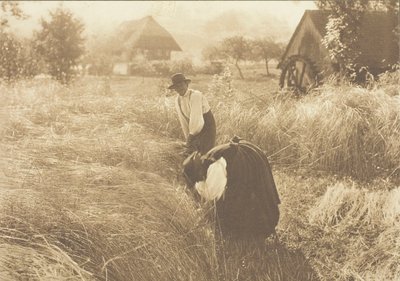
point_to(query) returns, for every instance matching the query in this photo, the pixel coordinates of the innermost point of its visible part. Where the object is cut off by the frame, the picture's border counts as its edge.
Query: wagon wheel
(298, 74)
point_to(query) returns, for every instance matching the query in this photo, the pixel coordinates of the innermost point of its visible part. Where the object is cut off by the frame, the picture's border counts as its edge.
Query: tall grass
(148, 233)
(94, 208)
(91, 185)
(345, 130)
(91, 190)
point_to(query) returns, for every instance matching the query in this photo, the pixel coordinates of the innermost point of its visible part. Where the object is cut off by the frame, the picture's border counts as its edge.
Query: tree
(9, 52)
(17, 58)
(14, 63)
(342, 34)
(98, 58)
(60, 43)
(384, 5)
(10, 9)
(266, 49)
(213, 53)
(343, 27)
(237, 48)
(29, 61)
(98, 64)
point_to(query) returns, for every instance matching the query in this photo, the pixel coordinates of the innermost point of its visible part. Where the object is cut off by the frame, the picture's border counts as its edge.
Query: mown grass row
(342, 131)
(82, 194)
(99, 165)
(362, 226)
(91, 190)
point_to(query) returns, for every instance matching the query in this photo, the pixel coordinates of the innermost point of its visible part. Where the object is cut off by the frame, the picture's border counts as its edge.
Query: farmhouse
(306, 56)
(144, 38)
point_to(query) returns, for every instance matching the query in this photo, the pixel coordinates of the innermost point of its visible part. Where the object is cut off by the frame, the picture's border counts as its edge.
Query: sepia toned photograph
(200, 140)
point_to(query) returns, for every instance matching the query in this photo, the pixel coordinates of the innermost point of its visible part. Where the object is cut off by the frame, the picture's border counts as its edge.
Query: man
(238, 178)
(195, 116)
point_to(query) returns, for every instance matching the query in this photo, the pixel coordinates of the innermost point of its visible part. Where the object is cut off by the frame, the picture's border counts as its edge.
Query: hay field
(91, 186)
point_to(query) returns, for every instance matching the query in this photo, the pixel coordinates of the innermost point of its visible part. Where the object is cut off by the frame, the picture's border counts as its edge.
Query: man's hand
(192, 143)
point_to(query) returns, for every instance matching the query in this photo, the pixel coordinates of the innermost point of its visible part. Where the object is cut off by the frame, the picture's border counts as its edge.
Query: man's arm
(196, 121)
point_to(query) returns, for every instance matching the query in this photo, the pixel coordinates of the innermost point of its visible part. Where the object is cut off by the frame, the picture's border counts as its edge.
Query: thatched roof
(146, 34)
(378, 43)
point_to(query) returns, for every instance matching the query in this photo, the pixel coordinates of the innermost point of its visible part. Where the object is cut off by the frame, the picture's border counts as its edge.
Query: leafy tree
(98, 59)
(213, 53)
(237, 48)
(266, 49)
(29, 61)
(9, 52)
(10, 9)
(343, 28)
(99, 64)
(60, 43)
(384, 5)
(17, 59)
(14, 61)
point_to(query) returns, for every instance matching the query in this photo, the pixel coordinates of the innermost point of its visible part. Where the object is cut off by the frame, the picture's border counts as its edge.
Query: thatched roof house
(378, 43)
(144, 37)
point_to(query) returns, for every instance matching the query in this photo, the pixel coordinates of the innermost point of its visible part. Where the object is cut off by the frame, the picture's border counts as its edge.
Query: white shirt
(215, 184)
(190, 108)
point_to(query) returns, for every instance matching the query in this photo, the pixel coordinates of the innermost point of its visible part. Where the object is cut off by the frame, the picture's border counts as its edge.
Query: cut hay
(341, 206)
(367, 225)
(38, 262)
(138, 231)
(92, 186)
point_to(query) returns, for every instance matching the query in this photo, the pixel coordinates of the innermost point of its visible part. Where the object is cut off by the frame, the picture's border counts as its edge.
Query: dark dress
(249, 206)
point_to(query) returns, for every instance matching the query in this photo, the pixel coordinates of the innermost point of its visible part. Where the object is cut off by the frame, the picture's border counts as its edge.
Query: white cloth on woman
(213, 187)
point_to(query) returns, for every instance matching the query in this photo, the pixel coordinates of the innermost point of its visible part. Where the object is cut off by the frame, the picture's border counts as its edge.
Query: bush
(100, 65)
(9, 52)
(141, 67)
(29, 61)
(146, 67)
(17, 58)
(162, 68)
(221, 84)
(183, 66)
(211, 68)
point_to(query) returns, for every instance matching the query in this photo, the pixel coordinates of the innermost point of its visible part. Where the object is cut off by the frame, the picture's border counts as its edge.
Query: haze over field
(92, 183)
(194, 24)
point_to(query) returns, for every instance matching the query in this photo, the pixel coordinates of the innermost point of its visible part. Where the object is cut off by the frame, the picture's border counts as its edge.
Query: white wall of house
(121, 68)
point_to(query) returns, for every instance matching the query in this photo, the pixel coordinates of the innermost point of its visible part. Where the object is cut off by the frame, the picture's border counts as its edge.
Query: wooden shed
(144, 37)
(306, 60)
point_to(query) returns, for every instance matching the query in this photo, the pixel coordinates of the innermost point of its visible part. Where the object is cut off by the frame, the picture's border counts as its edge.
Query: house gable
(144, 37)
(378, 44)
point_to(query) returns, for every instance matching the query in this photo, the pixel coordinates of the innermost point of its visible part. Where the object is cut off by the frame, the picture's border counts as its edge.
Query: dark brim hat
(178, 78)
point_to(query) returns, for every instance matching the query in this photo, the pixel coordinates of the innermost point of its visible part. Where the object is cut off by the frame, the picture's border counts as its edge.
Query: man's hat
(176, 79)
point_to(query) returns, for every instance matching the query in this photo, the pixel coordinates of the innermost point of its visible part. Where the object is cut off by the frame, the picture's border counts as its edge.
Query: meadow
(91, 185)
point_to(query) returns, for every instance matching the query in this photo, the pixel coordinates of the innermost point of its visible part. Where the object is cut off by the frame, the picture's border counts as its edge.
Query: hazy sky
(105, 14)
(194, 24)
